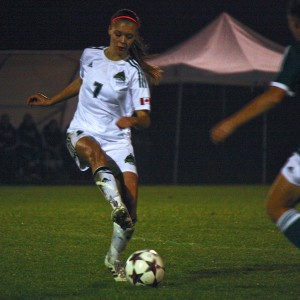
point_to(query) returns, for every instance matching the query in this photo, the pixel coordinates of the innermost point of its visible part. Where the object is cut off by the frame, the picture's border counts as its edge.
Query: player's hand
(221, 131)
(39, 100)
(126, 122)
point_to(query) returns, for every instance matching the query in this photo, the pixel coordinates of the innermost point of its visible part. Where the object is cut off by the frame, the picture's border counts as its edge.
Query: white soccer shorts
(291, 170)
(119, 153)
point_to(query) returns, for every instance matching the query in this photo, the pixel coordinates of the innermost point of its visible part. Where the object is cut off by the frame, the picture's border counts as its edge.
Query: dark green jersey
(289, 75)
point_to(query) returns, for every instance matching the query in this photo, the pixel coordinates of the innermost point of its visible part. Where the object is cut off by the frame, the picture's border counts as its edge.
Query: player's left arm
(283, 85)
(141, 120)
(262, 103)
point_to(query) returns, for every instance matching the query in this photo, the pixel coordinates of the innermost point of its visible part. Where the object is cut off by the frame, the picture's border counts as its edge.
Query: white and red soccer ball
(145, 267)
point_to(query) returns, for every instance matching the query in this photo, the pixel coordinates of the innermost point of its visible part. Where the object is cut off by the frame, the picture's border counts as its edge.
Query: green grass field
(217, 243)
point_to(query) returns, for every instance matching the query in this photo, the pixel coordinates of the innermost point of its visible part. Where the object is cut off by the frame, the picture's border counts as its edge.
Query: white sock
(107, 184)
(120, 239)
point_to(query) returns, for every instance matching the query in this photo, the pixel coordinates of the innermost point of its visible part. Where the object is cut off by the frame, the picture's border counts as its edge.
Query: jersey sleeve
(289, 75)
(140, 92)
(83, 62)
(86, 59)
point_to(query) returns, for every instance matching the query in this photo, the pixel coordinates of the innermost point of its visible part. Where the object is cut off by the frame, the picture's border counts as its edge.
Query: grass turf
(216, 241)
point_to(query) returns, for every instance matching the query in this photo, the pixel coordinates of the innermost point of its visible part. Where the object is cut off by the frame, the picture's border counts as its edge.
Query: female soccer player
(113, 97)
(285, 191)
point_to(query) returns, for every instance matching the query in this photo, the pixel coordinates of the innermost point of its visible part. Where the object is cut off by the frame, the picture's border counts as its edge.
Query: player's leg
(282, 200)
(130, 193)
(122, 161)
(120, 236)
(87, 152)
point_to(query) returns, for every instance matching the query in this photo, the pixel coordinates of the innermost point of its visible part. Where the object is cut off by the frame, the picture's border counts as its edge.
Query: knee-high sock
(106, 182)
(289, 224)
(120, 239)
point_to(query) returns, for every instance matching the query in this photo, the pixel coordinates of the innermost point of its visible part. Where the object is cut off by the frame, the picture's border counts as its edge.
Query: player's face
(122, 35)
(294, 26)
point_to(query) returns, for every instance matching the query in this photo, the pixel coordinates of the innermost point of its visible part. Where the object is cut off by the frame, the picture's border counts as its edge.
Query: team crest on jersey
(120, 75)
(130, 159)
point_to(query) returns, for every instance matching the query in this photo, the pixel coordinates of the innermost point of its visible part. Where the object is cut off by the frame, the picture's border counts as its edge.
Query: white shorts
(291, 170)
(119, 153)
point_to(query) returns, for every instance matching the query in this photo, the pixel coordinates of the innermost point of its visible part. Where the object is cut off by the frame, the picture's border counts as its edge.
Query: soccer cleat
(117, 269)
(121, 216)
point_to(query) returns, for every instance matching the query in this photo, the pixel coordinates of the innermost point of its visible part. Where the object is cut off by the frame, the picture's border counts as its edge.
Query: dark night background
(49, 25)
(68, 24)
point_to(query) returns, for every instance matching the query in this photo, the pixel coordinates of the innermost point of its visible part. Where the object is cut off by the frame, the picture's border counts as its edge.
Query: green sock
(289, 224)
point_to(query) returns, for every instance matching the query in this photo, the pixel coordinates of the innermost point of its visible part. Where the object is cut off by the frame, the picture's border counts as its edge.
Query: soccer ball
(145, 267)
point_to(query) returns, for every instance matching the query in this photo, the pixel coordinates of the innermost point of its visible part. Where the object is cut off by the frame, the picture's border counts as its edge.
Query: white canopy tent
(226, 52)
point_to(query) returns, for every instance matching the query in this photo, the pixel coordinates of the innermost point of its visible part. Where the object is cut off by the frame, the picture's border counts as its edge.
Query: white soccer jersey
(109, 90)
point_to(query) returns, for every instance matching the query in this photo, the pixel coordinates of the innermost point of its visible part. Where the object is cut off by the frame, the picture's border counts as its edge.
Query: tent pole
(177, 134)
(224, 102)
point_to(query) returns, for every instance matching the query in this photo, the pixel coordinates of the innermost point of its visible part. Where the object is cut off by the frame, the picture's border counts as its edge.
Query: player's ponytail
(138, 52)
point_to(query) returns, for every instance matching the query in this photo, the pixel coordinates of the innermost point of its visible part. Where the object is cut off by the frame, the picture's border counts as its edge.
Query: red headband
(125, 17)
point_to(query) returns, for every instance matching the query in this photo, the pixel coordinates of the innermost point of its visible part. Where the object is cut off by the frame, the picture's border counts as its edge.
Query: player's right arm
(70, 91)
